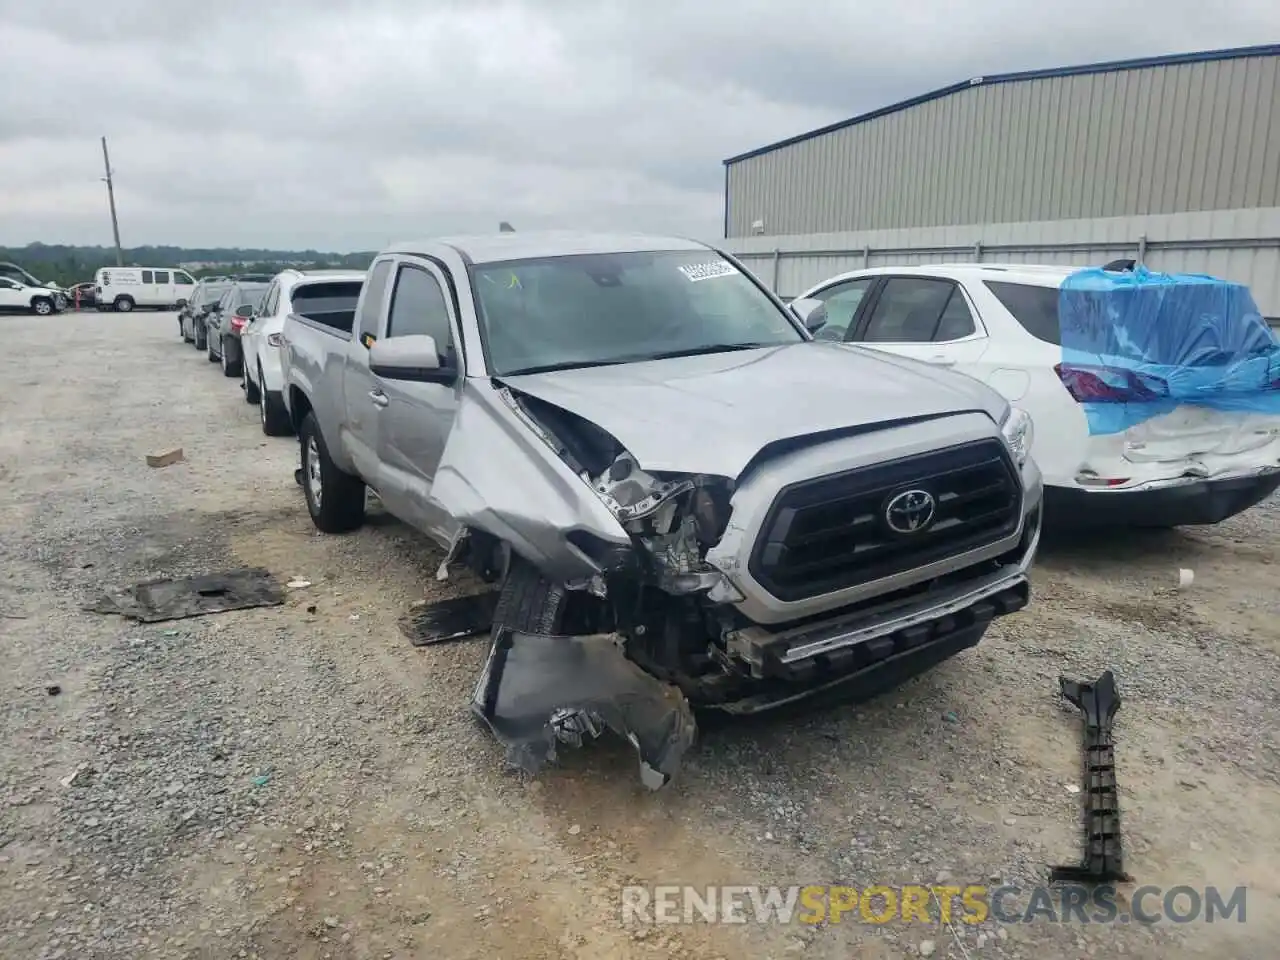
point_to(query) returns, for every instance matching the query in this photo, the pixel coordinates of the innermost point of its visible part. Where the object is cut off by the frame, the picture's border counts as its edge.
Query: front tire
(42, 306)
(335, 499)
(272, 412)
(529, 602)
(123, 304)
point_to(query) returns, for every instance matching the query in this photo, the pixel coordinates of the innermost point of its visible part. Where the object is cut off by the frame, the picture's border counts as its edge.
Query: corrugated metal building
(1049, 154)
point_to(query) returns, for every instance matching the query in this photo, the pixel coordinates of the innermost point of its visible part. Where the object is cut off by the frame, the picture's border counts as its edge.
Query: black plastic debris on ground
(1103, 853)
(454, 619)
(539, 690)
(158, 600)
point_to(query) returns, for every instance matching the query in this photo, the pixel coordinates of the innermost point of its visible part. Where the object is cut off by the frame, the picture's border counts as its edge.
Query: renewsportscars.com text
(911, 903)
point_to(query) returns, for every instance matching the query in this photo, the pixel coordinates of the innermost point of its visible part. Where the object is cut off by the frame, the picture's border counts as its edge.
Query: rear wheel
(335, 499)
(272, 411)
(250, 388)
(230, 368)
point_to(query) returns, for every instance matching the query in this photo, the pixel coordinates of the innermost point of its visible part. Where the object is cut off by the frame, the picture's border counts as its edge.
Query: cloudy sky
(307, 123)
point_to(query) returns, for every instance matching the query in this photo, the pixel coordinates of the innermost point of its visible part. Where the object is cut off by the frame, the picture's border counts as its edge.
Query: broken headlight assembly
(1019, 431)
(671, 520)
(675, 521)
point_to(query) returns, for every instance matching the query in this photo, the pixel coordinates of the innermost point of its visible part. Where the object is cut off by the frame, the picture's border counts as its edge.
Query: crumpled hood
(714, 413)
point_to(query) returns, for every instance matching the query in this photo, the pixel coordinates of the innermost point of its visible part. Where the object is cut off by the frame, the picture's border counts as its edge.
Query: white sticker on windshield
(707, 271)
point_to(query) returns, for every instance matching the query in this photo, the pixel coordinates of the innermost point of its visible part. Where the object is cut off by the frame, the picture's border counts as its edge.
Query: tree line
(66, 265)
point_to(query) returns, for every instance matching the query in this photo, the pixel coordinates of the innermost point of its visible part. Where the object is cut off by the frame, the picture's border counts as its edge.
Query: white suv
(22, 298)
(327, 297)
(999, 324)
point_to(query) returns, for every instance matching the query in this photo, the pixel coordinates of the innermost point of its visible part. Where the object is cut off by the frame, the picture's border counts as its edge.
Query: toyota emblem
(910, 511)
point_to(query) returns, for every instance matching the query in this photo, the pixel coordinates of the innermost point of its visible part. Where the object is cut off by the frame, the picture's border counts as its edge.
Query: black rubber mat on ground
(454, 619)
(158, 600)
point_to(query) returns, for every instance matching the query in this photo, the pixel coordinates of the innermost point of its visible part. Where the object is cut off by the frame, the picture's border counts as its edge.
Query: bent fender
(496, 475)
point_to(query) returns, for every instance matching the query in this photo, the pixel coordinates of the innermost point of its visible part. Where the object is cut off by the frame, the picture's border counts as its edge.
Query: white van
(123, 288)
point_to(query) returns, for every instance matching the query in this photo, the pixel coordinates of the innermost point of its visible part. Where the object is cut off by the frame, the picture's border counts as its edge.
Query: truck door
(363, 404)
(418, 416)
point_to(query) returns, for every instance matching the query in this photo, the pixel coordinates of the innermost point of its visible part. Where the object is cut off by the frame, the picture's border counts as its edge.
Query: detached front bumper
(1162, 504)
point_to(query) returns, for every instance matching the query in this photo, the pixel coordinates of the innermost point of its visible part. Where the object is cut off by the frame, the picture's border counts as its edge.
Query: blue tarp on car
(1138, 344)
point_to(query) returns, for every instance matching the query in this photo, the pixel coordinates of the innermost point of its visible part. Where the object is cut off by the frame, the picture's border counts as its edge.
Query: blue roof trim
(1173, 59)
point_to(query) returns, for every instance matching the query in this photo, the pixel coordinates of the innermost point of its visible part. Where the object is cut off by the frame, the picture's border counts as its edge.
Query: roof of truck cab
(497, 247)
(327, 273)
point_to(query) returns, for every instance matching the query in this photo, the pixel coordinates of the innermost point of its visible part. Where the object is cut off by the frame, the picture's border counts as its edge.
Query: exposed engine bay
(661, 595)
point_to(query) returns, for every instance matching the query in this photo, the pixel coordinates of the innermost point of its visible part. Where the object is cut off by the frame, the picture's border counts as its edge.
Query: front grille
(832, 532)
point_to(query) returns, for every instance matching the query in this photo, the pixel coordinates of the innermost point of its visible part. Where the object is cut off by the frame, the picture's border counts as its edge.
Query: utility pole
(111, 198)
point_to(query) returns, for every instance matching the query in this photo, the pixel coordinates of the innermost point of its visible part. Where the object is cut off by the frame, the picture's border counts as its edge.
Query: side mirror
(812, 313)
(245, 310)
(409, 358)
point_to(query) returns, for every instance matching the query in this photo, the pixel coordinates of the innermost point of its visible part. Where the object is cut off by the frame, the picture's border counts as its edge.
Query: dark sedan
(192, 316)
(225, 321)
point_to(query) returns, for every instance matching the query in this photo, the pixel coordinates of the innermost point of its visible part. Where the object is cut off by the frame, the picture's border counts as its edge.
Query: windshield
(620, 307)
(249, 293)
(210, 293)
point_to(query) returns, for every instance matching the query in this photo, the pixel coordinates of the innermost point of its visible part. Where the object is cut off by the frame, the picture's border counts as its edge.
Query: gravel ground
(300, 782)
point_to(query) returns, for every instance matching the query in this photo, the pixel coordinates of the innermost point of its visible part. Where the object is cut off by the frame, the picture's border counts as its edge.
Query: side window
(162, 276)
(7, 284)
(1035, 308)
(908, 310)
(418, 307)
(147, 277)
(182, 279)
(842, 302)
(956, 320)
(375, 286)
(271, 300)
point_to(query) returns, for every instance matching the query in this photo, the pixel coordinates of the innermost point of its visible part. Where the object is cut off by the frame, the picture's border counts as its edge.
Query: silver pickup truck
(687, 502)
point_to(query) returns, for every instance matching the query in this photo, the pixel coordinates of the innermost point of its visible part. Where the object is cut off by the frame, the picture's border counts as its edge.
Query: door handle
(379, 398)
(942, 361)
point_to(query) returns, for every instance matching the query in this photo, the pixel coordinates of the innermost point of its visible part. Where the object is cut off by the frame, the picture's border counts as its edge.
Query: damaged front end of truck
(621, 564)
(536, 485)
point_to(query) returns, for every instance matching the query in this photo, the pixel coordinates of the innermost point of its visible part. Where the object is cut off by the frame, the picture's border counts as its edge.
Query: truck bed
(342, 320)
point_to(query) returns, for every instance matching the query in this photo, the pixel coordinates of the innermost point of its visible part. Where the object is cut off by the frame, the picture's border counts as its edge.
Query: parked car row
(237, 322)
